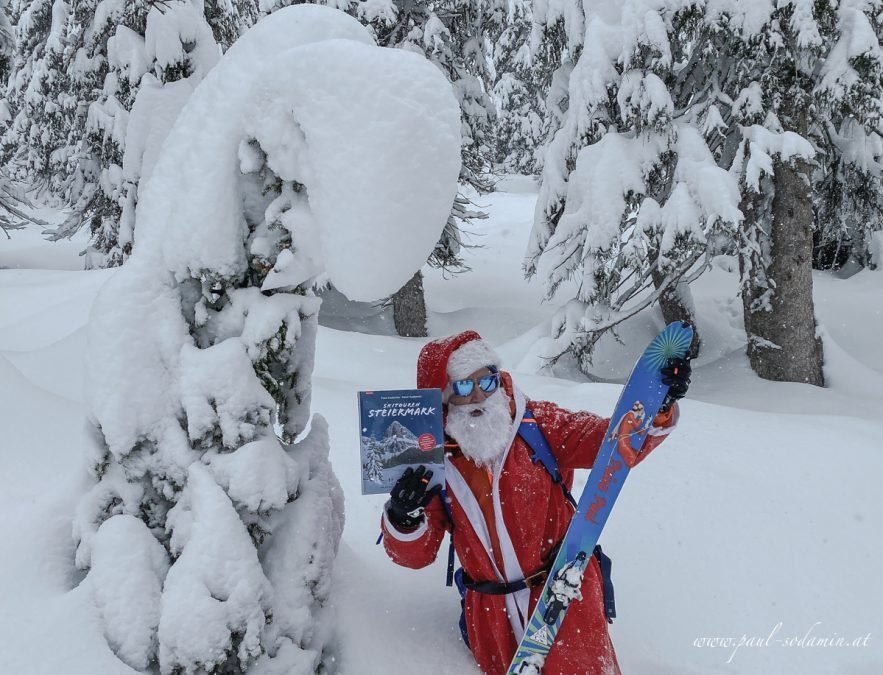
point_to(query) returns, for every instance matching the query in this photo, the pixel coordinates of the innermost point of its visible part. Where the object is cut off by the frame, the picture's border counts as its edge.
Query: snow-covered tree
(772, 160)
(848, 181)
(520, 84)
(74, 82)
(230, 18)
(631, 194)
(373, 459)
(308, 155)
(137, 65)
(783, 95)
(802, 99)
(35, 146)
(7, 49)
(103, 97)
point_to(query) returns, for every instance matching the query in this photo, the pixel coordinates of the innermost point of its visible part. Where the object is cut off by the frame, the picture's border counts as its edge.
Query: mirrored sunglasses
(487, 383)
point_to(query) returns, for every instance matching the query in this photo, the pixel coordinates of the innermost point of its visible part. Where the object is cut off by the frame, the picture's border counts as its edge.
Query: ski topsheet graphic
(632, 418)
(399, 428)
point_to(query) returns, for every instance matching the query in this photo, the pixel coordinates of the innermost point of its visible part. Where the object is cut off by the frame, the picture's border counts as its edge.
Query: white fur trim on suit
(458, 485)
(516, 603)
(414, 535)
(472, 356)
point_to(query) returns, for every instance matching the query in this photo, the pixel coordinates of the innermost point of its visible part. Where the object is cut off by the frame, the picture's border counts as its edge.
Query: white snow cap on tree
(472, 356)
(320, 141)
(326, 81)
(177, 35)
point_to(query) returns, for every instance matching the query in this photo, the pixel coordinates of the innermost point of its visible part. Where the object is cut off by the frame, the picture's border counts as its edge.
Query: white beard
(482, 438)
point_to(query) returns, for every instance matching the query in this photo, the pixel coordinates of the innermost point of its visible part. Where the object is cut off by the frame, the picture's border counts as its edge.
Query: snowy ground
(758, 521)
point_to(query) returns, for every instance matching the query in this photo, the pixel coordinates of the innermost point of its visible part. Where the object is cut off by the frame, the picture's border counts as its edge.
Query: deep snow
(763, 508)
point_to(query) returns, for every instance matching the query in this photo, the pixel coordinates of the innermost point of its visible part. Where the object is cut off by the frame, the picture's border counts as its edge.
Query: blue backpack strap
(606, 566)
(541, 452)
(449, 580)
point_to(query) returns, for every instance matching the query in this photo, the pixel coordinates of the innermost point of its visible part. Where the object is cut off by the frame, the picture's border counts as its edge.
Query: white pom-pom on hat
(472, 356)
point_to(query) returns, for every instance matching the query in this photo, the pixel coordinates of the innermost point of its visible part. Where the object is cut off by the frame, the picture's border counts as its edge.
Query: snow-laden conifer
(848, 183)
(103, 91)
(630, 193)
(800, 109)
(303, 158)
(229, 19)
(144, 59)
(40, 105)
(7, 49)
(73, 84)
(786, 97)
(521, 80)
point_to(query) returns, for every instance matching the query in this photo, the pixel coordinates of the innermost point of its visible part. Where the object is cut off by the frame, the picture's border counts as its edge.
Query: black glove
(409, 496)
(676, 374)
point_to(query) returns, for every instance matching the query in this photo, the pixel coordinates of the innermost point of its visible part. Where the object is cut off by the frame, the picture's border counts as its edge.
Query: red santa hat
(453, 358)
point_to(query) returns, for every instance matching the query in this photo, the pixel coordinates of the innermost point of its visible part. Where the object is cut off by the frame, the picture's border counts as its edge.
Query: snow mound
(259, 475)
(128, 568)
(217, 578)
(218, 388)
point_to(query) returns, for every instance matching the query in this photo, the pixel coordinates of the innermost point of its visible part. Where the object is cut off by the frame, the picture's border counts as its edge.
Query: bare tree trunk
(676, 303)
(409, 308)
(777, 296)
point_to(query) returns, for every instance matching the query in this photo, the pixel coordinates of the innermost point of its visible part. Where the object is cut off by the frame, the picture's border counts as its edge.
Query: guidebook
(399, 428)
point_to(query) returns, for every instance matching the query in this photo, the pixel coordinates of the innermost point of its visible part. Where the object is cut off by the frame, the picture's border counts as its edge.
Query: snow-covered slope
(763, 509)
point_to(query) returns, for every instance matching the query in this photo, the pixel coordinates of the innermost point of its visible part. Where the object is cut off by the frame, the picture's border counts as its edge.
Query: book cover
(399, 428)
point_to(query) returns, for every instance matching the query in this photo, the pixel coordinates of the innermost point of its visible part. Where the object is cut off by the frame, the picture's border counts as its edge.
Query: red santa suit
(506, 522)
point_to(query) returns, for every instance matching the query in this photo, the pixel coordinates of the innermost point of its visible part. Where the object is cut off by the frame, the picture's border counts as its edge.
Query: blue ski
(643, 393)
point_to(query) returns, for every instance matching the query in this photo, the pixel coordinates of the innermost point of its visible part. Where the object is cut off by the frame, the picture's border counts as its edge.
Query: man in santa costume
(506, 513)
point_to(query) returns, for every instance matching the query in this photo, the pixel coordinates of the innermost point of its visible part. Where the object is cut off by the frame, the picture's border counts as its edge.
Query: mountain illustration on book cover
(399, 428)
